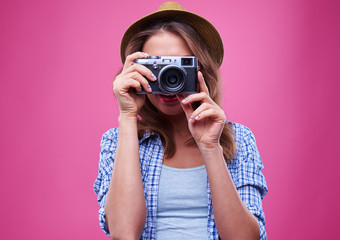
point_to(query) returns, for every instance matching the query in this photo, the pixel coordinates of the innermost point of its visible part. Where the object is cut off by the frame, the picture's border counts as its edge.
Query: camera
(175, 74)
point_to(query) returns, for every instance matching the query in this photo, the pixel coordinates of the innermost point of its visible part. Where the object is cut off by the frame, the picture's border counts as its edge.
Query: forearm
(233, 219)
(125, 204)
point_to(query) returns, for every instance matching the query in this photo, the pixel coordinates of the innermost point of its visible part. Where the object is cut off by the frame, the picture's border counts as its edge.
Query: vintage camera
(175, 74)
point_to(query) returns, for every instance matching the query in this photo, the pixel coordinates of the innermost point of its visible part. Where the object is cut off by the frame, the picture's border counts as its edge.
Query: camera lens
(172, 79)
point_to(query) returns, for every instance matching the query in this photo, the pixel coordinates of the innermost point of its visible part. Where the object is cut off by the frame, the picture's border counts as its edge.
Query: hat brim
(203, 27)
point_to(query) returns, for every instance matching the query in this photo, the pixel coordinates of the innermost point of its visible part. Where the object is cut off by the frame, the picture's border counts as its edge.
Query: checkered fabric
(245, 170)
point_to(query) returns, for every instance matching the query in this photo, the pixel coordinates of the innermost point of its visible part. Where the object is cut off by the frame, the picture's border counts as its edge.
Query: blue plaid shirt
(245, 170)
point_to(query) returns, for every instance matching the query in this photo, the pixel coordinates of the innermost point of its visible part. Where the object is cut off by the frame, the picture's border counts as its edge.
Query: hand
(132, 77)
(207, 121)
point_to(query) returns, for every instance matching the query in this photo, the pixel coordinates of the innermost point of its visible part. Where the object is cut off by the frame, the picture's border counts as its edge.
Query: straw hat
(169, 10)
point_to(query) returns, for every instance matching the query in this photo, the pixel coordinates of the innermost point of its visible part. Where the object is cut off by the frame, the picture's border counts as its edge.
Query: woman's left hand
(207, 121)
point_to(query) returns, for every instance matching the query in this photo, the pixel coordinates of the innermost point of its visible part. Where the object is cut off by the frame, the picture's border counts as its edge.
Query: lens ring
(171, 79)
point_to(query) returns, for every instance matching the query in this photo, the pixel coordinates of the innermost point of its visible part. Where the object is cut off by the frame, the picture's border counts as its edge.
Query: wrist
(210, 149)
(127, 119)
(211, 146)
(213, 158)
(127, 126)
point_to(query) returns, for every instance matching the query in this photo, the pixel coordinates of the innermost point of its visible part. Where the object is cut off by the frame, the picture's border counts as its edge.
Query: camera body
(175, 74)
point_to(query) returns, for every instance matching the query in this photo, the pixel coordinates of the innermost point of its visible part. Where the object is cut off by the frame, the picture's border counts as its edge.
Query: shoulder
(109, 139)
(111, 133)
(243, 137)
(245, 168)
(246, 148)
(242, 133)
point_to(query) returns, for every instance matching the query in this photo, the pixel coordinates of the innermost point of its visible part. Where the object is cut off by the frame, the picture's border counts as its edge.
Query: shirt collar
(147, 134)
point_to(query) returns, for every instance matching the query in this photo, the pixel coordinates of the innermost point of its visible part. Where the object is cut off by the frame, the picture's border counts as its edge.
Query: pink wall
(58, 59)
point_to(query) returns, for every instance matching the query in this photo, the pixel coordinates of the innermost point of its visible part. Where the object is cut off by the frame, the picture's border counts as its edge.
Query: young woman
(176, 168)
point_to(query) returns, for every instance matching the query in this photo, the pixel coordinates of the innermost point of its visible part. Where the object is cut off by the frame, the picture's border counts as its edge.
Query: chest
(152, 157)
(185, 157)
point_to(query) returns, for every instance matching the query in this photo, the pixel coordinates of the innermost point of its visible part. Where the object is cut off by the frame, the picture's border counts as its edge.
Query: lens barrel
(172, 79)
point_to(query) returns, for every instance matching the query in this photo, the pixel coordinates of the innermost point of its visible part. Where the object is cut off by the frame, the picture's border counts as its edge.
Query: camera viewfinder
(186, 61)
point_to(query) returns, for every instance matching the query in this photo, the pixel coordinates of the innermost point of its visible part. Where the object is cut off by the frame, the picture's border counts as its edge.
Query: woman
(176, 169)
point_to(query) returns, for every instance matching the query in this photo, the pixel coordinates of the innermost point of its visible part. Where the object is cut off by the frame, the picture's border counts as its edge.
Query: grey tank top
(182, 211)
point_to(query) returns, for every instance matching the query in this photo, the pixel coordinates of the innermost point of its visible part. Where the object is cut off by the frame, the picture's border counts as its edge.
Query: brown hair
(150, 118)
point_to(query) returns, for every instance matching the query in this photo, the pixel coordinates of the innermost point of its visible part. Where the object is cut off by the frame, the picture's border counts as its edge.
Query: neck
(180, 126)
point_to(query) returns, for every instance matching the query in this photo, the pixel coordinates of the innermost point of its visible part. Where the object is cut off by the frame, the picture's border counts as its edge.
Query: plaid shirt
(245, 170)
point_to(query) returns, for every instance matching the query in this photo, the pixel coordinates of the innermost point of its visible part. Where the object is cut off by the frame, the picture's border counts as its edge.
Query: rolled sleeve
(101, 185)
(250, 196)
(245, 170)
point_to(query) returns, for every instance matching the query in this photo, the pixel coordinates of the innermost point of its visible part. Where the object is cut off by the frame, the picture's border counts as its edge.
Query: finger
(209, 113)
(136, 85)
(201, 108)
(202, 96)
(141, 70)
(132, 58)
(201, 83)
(187, 108)
(143, 81)
(124, 86)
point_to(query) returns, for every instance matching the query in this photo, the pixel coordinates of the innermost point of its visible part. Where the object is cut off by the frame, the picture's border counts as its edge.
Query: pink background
(57, 62)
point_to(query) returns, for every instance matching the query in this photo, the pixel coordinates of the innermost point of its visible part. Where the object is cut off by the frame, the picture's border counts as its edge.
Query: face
(166, 44)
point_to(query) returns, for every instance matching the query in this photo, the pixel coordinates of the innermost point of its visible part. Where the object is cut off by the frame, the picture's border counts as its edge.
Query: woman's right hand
(132, 78)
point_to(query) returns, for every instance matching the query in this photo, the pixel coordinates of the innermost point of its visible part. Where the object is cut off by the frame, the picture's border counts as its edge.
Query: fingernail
(191, 118)
(184, 100)
(149, 86)
(153, 77)
(197, 117)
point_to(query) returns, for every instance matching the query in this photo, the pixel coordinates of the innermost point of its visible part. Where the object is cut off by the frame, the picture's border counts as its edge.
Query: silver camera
(175, 74)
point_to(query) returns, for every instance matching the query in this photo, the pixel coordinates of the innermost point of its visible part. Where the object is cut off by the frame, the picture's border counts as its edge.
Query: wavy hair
(149, 116)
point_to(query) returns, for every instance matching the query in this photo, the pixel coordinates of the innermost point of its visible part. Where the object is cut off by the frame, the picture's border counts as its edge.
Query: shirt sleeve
(101, 185)
(246, 169)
